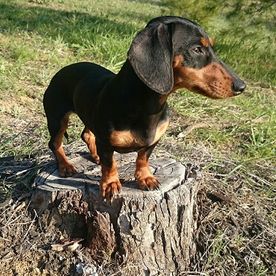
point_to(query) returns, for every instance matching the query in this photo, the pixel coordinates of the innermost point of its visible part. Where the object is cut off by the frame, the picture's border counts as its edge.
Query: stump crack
(119, 252)
(174, 260)
(166, 197)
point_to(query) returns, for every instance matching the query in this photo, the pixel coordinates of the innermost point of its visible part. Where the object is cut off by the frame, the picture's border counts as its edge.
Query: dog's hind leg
(58, 108)
(90, 140)
(57, 128)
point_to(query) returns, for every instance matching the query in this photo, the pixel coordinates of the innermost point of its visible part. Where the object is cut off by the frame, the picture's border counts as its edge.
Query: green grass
(245, 124)
(39, 37)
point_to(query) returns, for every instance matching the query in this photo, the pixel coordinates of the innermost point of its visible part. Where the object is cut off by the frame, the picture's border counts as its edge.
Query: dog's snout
(238, 86)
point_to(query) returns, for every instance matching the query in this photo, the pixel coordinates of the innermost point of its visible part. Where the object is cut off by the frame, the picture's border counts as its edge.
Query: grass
(245, 124)
(235, 143)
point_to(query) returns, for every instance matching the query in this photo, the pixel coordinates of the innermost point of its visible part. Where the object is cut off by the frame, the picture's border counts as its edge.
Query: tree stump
(151, 230)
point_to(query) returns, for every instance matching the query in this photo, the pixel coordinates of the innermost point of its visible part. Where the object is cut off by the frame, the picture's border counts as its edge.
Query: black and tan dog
(127, 111)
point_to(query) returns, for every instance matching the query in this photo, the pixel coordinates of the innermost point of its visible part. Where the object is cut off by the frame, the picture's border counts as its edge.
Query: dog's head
(173, 52)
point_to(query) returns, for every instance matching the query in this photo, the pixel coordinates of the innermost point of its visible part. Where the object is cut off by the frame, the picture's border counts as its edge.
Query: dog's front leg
(143, 175)
(110, 184)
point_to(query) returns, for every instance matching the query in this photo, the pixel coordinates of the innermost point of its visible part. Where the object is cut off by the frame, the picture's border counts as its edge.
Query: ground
(234, 227)
(233, 141)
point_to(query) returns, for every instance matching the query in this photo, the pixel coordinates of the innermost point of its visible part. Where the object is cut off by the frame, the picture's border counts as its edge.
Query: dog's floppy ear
(151, 54)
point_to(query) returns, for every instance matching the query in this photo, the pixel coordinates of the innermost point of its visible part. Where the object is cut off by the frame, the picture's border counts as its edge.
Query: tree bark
(151, 230)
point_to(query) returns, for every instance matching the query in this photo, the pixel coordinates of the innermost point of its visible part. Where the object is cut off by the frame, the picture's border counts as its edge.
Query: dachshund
(128, 111)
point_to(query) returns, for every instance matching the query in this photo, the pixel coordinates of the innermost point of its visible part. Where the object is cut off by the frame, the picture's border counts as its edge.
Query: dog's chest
(128, 140)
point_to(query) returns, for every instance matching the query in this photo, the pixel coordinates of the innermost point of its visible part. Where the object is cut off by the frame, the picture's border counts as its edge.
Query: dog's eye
(198, 50)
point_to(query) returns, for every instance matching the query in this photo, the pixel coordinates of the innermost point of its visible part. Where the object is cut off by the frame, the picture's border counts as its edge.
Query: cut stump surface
(151, 230)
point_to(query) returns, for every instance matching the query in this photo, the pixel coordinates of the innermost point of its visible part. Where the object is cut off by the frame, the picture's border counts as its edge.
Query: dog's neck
(151, 101)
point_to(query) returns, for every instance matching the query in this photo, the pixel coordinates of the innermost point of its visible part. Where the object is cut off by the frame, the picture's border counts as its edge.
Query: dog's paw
(148, 183)
(110, 189)
(66, 169)
(146, 180)
(96, 159)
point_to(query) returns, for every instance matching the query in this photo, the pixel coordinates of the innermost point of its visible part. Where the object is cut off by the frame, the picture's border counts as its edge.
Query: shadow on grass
(73, 27)
(17, 174)
(15, 177)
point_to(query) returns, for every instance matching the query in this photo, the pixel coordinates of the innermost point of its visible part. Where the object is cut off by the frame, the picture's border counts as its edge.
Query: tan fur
(129, 139)
(65, 168)
(110, 183)
(205, 41)
(143, 174)
(212, 80)
(89, 139)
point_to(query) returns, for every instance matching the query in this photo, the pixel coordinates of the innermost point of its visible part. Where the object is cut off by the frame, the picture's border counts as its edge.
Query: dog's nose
(238, 86)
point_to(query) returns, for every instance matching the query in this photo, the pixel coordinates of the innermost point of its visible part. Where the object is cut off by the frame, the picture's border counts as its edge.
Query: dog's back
(65, 82)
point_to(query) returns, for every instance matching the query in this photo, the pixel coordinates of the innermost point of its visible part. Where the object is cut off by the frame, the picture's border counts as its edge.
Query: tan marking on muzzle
(212, 80)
